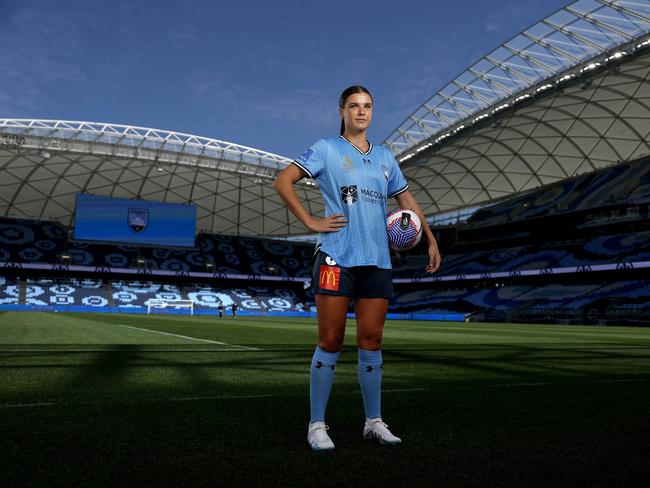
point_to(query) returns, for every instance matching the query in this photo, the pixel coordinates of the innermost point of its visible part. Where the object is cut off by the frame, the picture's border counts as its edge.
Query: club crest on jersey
(304, 157)
(347, 164)
(349, 194)
(138, 219)
(386, 171)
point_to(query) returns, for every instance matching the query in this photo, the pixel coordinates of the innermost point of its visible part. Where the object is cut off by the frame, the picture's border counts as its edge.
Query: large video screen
(138, 222)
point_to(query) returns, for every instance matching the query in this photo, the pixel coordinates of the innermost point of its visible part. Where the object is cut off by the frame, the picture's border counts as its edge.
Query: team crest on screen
(349, 194)
(138, 219)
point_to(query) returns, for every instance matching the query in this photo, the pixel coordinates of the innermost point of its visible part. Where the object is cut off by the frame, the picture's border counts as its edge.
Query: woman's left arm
(407, 201)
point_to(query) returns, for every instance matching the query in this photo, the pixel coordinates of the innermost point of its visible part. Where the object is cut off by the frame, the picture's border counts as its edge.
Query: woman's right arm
(284, 186)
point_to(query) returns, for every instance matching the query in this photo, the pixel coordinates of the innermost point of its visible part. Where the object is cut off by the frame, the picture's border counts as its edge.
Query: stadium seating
(134, 294)
(556, 299)
(173, 259)
(245, 255)
(65, 292)
(252, 298)
(627, 183)
(9, 290)
(42, 242)
(100, 255)
(30, 241)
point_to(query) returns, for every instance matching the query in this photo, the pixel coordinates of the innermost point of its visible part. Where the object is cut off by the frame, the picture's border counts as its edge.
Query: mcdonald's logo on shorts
(329, 277)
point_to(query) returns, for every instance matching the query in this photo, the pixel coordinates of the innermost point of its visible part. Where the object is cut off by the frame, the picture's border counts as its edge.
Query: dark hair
(351, 90)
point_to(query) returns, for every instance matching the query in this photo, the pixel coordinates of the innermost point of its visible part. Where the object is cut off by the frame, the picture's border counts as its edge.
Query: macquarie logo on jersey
(372, 196)
(349, 194)
(304, 157)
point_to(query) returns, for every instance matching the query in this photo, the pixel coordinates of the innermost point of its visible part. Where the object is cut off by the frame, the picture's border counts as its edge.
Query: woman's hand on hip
(333, 223)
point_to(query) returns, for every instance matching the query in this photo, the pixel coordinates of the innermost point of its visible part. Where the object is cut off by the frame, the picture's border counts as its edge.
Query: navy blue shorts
(330, 278)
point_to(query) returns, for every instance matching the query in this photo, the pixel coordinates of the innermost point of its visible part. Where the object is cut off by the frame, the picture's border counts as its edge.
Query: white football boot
(318, 438)
(378, 430)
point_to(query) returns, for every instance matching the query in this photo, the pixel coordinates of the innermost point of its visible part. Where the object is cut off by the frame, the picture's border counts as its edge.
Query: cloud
(307, 107)
(183, 34)
(239, 102)
(42, 52)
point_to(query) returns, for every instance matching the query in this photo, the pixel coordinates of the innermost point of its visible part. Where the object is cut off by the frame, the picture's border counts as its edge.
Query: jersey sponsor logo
(349, 194)
(372, 196)
(304, 157)
(329, 277)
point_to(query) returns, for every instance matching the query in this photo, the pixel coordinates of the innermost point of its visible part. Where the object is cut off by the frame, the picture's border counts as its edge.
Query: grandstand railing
(252, 277)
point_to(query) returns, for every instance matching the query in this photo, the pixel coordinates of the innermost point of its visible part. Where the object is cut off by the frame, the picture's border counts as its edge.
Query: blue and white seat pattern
(65, 292)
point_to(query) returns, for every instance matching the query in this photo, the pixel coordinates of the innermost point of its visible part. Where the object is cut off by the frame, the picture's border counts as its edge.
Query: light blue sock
(321, 377)
(370, 380)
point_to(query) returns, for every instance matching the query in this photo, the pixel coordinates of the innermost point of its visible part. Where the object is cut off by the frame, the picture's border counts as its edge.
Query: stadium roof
(567, 95)
(45, 163)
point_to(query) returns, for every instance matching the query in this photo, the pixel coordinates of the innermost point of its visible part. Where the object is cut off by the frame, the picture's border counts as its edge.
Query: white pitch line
(187, 337)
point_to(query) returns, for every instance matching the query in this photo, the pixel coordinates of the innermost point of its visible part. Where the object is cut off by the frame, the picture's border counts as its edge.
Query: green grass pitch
(99, 399)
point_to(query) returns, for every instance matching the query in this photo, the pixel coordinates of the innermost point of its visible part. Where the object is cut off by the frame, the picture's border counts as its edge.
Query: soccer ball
(404, 229)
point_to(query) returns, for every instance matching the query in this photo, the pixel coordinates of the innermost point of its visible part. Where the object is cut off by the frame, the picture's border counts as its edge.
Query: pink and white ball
(404, 229)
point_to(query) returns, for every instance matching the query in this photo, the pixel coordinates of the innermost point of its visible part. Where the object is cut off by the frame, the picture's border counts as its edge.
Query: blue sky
(261, 74)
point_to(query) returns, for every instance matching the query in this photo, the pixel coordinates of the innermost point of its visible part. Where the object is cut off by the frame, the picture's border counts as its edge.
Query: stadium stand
(626, 183)
(65, 292)
(530, 244)
(101, 255)
(9, 290)
(134, 294)
(30, 241)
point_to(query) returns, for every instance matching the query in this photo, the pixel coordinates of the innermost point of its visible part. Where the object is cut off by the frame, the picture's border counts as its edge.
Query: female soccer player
(352, 260)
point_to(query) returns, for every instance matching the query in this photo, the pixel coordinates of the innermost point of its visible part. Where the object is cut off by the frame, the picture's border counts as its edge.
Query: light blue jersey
(355, 184)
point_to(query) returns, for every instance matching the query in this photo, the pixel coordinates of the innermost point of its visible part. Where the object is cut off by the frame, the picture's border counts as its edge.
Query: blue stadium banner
(140, 222)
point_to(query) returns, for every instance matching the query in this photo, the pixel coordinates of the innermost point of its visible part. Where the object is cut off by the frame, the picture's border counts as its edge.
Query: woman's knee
(369, 342)
(330, 342)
